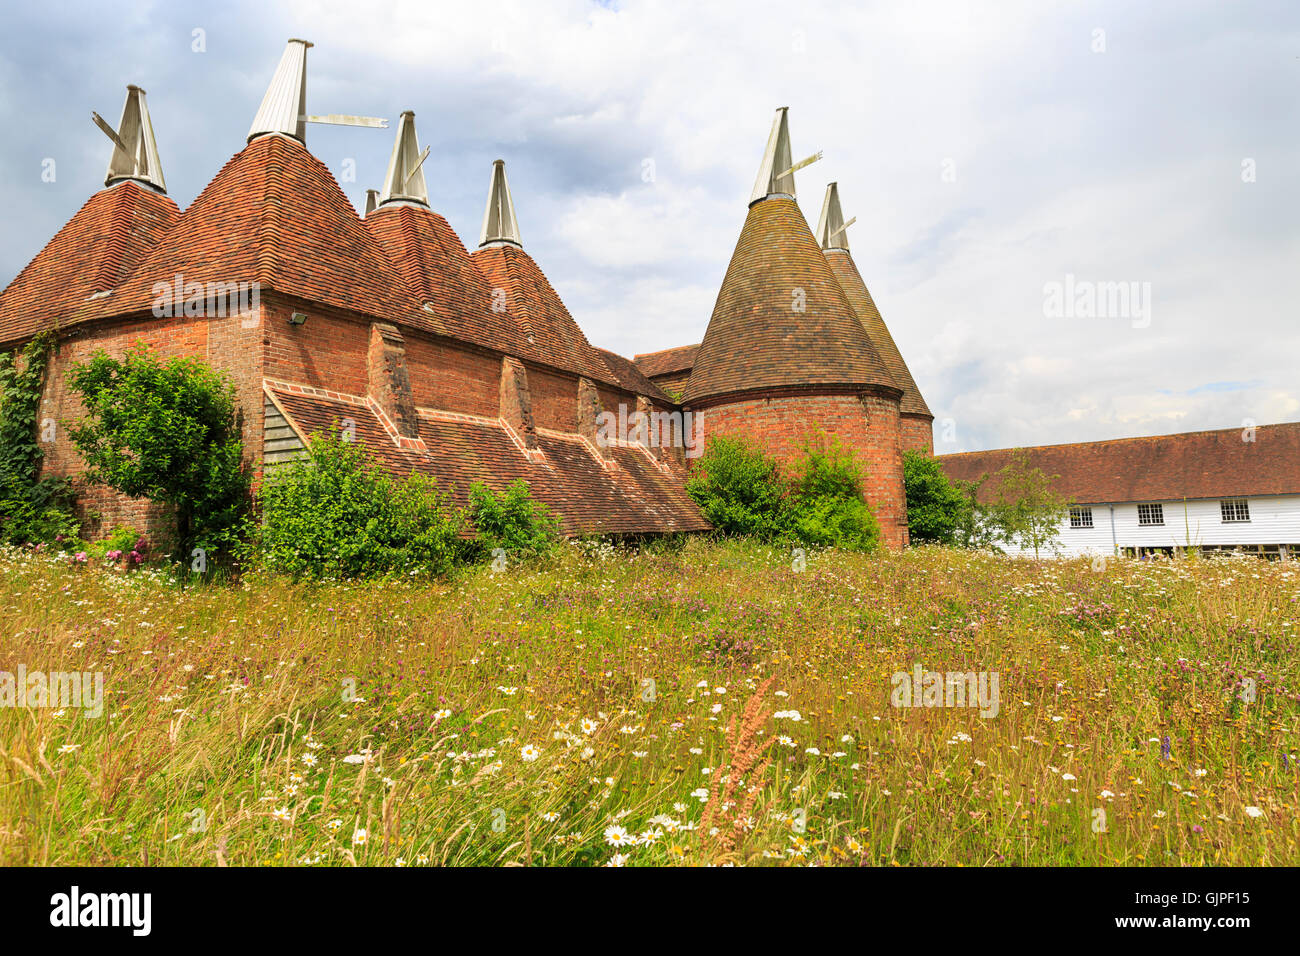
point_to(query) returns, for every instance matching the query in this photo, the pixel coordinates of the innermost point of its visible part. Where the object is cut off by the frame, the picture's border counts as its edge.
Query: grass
(576, 712)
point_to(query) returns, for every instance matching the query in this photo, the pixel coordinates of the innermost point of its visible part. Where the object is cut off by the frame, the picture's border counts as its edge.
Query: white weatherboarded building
(1230, 489)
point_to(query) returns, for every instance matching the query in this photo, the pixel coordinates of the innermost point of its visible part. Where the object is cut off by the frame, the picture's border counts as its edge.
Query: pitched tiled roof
(631, 377)
(680, 359)
(439, 273)
(537, 309)
(274, 215)
(98, 247)
(846, 271)
(1211, 464)
(758, 337)
(639, 496)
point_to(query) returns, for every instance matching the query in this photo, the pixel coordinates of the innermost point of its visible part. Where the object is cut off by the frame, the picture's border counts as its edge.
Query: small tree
(937, 511)
(1026, 510)
(166, 431)
(978, 528)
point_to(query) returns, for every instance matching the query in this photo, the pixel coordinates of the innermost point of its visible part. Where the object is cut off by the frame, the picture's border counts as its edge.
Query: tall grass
(576, 712)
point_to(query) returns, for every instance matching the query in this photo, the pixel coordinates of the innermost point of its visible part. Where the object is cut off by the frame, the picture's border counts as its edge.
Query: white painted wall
(1273, 520)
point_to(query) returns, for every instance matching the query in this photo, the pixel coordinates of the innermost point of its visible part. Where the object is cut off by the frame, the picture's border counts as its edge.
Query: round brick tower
(917, 423)
(786, 355)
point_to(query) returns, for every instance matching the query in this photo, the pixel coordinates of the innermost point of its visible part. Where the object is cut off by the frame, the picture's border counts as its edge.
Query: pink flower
(137, 557)
(114, 555)
(80, 556)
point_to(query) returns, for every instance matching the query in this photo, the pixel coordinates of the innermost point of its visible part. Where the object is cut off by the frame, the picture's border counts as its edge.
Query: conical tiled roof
(549, 333)
(95, 251)
(455, 295)
(781, 317)
(846, 271)
(832, 234)
(274, 215)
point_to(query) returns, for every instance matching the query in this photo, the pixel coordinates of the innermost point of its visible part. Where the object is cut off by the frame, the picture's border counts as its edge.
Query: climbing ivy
(20, 400)
(32, 510)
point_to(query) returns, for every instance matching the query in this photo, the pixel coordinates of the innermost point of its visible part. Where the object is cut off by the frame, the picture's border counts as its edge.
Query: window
(1080, 517)
(1151, 514)
(1234, 509)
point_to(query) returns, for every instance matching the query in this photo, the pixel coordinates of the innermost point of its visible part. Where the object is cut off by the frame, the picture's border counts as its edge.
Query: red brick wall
(869, 424)
(327, 351)
(918, 434)
(454, 379)
(555, 399)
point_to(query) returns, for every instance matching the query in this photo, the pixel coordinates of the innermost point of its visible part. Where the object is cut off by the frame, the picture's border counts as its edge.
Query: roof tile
(781, 317)
(1208, 464)
(95, 251)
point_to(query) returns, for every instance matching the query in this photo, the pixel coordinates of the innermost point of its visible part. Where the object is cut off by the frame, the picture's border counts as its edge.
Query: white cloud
(1123, 165)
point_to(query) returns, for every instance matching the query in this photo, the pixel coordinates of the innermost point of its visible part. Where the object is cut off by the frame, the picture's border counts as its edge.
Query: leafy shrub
(937, 510)
(739, 489)
(335, 514)
(511, 521)
(837, 522)
(825, 502)
(166, 431)
(39, 512)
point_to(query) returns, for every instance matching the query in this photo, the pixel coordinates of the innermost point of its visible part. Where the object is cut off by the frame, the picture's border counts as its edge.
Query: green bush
(335, 514)
(511, 521)
(938, 512)
(838, 522)
(166, 431)
(825, 502)
(739, 489)
(122, 542)
(39, 512)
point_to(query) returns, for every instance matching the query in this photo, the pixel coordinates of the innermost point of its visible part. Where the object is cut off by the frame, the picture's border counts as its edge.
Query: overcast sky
(988, 151)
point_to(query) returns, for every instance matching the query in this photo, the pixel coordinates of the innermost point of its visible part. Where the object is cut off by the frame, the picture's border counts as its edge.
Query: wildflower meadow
(704, 703)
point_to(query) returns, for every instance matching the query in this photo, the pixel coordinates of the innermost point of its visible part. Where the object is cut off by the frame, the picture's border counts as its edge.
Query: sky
(1079, 220)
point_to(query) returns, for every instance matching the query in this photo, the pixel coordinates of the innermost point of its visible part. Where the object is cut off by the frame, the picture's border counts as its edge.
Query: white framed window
(1234, 509)
(1151, 514)
(1080, 517)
